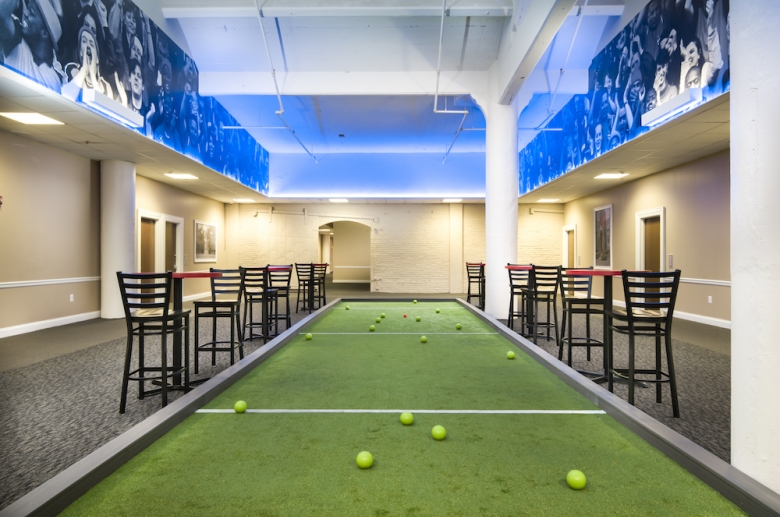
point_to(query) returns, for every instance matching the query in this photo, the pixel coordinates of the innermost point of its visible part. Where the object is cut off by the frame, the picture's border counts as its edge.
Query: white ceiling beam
(341, 83)
(525, 40)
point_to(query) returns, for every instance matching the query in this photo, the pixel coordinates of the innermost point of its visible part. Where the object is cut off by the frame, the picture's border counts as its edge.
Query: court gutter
(58, 493)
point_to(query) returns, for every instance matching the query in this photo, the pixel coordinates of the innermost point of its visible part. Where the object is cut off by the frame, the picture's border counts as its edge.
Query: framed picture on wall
(205, 242)
(602, 237)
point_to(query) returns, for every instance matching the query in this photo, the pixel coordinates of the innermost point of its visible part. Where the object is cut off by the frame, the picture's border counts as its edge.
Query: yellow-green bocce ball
(382, 315)
(576, 479)
(438, 311)
(239, 406)
(308, 337)
(510, 355)
(347, 307)
(458, 326)
(372, 328)
(418, 318)
(415, 301)
(364, 460)
(438, 432)
(407, 418)
(378, 320)
(423, 339)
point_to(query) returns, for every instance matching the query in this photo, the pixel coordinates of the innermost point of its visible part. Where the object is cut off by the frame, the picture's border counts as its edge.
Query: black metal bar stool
(279, 278)
(475, 272)
(257, 291)
(518, 282)
(576, 299)
(146, 299)
(650, 299)
(319, 272)
(543, 283)
(304, 274)
(229, 286)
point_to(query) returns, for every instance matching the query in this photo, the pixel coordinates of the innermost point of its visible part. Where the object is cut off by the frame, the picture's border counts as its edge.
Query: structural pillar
(117, 232)
(755, 241)
(501, 192)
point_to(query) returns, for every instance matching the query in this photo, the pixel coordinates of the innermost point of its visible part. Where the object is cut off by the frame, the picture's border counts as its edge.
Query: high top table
(607, 275)
(178, 298)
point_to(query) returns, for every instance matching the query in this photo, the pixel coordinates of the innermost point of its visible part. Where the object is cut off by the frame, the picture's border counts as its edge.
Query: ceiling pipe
(438, 76)
(280, 111)
(550, 110)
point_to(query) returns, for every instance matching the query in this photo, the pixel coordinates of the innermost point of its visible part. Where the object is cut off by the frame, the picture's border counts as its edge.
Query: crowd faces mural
(112, 47)
(670, 46)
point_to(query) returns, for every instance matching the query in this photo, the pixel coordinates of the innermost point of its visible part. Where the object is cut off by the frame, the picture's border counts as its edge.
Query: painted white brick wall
(409, 242)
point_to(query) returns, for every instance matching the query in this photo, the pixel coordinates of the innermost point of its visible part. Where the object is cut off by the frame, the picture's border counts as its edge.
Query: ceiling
(309, 39)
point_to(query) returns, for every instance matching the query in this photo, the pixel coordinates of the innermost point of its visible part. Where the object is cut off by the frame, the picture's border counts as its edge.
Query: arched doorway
(346, 246)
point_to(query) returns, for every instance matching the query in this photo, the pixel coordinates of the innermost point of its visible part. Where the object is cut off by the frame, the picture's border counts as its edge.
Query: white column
(457, 263)
(117, 232)
(755, 241)
(500, 203)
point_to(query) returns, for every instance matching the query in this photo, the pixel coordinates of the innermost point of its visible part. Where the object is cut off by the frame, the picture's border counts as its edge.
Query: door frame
(159, 239)
(565, 247)
(659, 212)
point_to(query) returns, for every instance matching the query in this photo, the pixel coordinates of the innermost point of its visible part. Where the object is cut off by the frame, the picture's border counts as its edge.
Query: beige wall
(351, 252)
(696, 198)
(49, 230)
(160, 198)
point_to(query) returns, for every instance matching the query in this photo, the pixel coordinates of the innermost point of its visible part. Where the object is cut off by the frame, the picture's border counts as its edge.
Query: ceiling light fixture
(548, 200)
(111, 108)
(672, 107)
(243, 200)
(339, 200)
(611, 176)
(453, 200)
(32, 118)
(181, 176)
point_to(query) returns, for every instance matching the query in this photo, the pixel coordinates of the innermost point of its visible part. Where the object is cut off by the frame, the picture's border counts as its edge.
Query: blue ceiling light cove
(667, 51)
(123, 66)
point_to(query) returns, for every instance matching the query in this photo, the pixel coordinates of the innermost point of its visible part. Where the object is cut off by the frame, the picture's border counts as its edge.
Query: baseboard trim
(352, 281)
(46, 324)
(687, 316)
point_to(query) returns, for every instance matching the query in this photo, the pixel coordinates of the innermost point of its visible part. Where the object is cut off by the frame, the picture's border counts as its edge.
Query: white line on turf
(401, 333)
(431, 411)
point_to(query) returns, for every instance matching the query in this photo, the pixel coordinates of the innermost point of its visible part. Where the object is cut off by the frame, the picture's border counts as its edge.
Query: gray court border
(66, 487)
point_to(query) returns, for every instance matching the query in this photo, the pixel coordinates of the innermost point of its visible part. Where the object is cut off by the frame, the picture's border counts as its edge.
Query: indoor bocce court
(411, 258)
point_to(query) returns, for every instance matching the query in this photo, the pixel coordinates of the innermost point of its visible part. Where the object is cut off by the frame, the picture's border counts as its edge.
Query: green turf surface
(304, 464)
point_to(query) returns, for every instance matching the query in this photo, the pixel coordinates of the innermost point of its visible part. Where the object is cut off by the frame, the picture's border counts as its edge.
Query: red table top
(196, 274)
(518, 267)
(593, 272)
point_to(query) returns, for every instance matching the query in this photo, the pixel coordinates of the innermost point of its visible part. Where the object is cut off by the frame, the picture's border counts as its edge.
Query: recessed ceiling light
(243, 200)
(611, 176)
(548, 200)
(32, 118)
(181, 176)
(454, 200)
(339, 200)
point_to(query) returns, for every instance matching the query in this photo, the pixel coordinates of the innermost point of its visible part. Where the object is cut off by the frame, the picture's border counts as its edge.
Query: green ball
(576, 479)
(378, 320)
(372, 328)
(423, 339)
(438, 311)
(458, 326)
(347, 307)
(308, 337)
(382, 315)
(239, 406)
(364, 460)
(438, 432)
(418, 318)
(510, 355)
(407, 418)
(415, 301)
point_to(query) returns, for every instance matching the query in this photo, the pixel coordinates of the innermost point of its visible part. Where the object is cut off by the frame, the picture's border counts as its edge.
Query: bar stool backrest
(518, 277)
(255, 280)
(230, 284)
(545, 278)
(280, 276)
(650, 296)
(303, 272)
(145, 295)
(320, 270)
(573, 284)
(475, 270)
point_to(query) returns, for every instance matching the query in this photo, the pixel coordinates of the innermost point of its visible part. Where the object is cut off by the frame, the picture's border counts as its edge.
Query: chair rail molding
(50, 281)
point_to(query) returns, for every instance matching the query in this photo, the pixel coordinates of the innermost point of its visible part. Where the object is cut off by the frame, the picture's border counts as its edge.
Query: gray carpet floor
(58, 410)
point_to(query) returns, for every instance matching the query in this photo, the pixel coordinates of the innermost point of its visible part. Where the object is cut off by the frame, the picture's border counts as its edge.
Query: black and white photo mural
(108, 53)
(671, 46)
